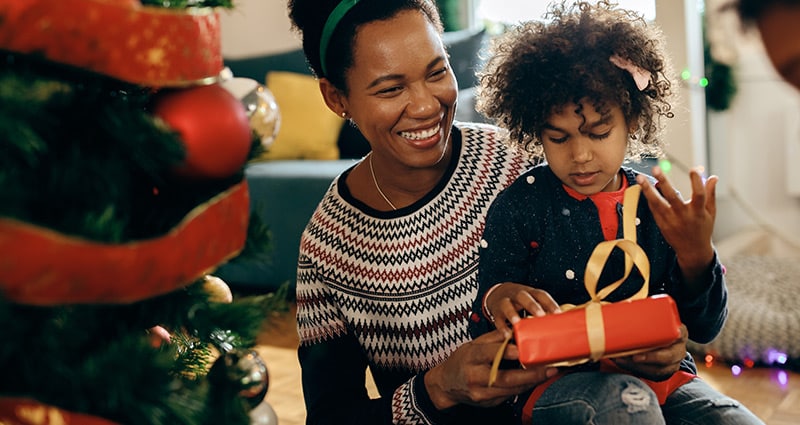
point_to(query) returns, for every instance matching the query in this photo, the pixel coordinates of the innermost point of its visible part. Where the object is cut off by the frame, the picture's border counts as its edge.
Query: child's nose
(581, 150)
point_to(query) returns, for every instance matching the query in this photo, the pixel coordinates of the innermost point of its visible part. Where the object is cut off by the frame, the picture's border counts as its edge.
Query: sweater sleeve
(704, 314)
(504, 257)
(333, 375)
(333, 368)
(334, 385)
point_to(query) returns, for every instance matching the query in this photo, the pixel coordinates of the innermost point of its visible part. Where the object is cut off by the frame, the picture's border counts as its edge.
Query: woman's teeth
(422, 134)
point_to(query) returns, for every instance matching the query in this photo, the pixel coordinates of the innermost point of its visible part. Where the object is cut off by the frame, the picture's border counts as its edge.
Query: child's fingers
(711, 195)
(703, 192)
(665, 356)
(508, 301)
(506, 314)
(536, 302)
(698, 188)
(668, 192)
(544, 301)
(654, 199)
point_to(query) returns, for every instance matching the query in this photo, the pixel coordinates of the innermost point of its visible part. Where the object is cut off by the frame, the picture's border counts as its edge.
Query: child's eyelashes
(593, 136)
(600, 136)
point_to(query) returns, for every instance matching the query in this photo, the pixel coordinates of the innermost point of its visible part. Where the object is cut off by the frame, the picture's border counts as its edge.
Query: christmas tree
(121, 191)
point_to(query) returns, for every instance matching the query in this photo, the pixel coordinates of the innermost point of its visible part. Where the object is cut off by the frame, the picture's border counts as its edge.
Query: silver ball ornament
(265, 116)
(263, 414)
(262, 109)
(244, 373)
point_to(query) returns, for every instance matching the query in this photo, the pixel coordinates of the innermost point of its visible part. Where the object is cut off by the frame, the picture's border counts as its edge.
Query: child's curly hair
(537, 68)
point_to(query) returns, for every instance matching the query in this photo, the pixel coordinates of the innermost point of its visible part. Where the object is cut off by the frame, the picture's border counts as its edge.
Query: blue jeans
(618, 399)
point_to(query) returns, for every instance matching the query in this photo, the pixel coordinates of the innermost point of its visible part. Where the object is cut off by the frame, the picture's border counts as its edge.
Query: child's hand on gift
(686, 225)
(658, 364)
(504, 302)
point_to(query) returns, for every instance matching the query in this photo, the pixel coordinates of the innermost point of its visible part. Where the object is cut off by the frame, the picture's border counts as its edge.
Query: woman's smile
(423, 138)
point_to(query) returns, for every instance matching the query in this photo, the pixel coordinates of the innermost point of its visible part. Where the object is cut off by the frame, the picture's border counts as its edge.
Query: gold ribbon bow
(634, 255)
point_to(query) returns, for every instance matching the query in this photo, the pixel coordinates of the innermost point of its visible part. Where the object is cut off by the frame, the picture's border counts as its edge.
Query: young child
(589, 88)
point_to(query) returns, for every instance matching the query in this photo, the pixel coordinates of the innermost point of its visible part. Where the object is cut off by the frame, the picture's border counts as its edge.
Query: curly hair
(538, 67)
(308, 19)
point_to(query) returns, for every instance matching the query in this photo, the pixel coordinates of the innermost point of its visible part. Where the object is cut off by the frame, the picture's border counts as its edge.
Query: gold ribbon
(634, 255)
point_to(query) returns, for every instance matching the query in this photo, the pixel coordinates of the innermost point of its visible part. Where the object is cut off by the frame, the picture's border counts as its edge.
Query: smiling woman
(386, 270)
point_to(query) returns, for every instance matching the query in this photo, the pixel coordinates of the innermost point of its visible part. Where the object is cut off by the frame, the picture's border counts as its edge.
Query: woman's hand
(506, 300)
(657, 364)
(686, 225)
(464, 377)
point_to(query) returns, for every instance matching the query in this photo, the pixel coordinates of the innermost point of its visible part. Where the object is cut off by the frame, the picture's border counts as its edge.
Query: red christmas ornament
(214, 127)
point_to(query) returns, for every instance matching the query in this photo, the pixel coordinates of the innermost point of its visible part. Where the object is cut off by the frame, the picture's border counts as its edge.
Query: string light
(775, 359)
(665, 165)
(699, 81)
(783, 378)
(775, 356)
(709, 360)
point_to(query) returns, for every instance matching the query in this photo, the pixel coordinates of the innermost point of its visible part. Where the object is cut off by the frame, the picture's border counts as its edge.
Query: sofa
(284, 191)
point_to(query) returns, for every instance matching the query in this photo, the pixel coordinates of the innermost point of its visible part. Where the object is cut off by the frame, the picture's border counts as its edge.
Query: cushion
(763, 318)
(309, 130)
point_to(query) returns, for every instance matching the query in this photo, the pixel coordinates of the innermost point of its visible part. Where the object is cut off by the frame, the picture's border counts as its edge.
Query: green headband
(330, 25)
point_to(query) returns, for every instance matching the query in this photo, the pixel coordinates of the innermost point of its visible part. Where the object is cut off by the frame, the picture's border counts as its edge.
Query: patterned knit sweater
(393, 291)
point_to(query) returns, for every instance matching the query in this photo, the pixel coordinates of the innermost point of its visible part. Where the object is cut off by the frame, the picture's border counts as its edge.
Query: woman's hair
(308, 19)
(538, 67)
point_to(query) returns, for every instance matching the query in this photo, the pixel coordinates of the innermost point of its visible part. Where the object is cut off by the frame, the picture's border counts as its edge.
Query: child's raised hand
(686, 225)
(506, 300)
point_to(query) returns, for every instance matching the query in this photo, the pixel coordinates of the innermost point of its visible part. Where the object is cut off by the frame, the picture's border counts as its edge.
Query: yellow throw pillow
(309, 130)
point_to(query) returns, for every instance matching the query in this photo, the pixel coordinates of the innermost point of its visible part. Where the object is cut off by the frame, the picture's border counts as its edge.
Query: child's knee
(624, 392)
(637, 397)
(599, 399)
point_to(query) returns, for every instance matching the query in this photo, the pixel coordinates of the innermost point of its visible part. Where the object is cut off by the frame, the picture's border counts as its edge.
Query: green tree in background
(451, 14)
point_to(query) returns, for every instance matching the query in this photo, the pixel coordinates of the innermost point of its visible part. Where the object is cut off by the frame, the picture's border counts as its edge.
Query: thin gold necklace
(377, 186)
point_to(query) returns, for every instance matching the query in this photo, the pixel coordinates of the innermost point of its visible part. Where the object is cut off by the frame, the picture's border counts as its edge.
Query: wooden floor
(772, 394)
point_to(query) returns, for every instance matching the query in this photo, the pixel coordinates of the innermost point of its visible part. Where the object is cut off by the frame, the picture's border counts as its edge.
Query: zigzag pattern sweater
(393, 291)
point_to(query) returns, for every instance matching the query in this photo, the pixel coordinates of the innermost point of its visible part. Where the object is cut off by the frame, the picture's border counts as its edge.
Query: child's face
(585, 149)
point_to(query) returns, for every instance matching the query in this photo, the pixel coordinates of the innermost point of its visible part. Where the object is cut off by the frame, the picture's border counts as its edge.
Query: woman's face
(586, 149)
(402, 92)
(780, 30)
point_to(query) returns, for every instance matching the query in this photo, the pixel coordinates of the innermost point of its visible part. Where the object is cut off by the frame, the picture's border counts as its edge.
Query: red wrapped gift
(598, 329)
